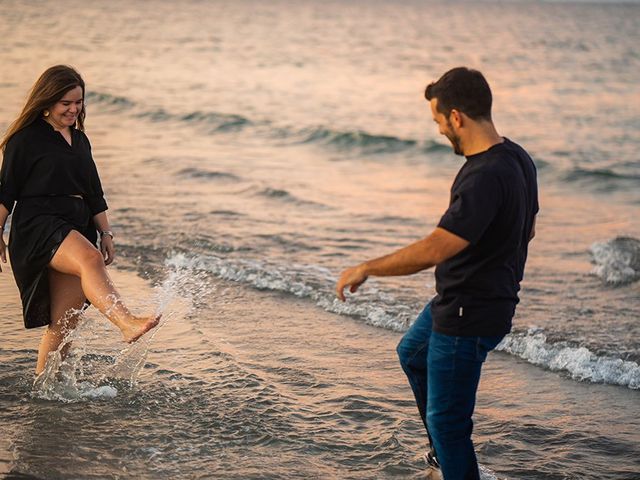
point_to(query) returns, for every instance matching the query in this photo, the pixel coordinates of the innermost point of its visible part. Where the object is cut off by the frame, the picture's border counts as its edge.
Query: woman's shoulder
(28, 132)
(20, 139)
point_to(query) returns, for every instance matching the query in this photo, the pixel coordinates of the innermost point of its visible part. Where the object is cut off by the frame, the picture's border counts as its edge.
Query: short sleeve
(475, 201)
(11, 177)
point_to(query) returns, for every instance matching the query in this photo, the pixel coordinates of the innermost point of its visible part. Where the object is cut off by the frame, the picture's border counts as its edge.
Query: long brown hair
(52, 85)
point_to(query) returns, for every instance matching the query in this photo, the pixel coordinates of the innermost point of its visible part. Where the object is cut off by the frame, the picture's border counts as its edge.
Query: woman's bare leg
(67, 298)
(77, 257)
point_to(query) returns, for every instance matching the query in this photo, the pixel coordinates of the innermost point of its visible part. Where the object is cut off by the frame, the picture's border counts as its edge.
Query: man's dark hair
(462, 89)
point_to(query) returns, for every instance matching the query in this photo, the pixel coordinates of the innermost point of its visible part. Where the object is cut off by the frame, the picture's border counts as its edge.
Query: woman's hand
(3, 249)
(107, 249)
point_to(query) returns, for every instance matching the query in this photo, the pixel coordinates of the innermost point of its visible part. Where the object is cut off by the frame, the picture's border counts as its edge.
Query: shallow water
(287, 392)
(261, 148)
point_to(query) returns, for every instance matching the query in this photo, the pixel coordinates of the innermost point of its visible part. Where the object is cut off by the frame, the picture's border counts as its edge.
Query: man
(479, 249)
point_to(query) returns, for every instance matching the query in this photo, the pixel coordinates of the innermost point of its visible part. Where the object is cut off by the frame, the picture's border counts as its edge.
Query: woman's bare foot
(138, 327)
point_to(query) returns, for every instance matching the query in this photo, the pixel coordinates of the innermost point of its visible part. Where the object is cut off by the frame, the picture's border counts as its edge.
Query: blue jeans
(444, 372)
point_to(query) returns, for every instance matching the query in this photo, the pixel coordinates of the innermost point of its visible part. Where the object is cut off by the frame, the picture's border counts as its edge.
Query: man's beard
(455, 143)
(454, 139)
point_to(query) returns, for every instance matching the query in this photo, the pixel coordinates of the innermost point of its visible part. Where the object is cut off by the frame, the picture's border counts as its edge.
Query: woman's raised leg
(67, 300)
(76, 256)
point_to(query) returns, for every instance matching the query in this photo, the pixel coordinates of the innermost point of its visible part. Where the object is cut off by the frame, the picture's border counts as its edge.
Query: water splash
(95, 366)
(76, 376)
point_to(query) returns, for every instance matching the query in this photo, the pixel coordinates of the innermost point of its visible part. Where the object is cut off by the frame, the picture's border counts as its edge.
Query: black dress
(45, 175)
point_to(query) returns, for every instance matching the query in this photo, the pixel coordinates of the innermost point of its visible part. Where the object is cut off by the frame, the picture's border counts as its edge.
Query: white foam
(617, 261)
(486, 474)
(579, 362)
(304, 281)
(105, 391)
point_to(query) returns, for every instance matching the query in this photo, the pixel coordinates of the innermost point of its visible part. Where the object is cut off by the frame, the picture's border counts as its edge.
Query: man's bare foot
(139, 327)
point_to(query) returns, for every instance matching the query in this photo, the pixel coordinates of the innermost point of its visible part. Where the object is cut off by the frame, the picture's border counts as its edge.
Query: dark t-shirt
(494, 200)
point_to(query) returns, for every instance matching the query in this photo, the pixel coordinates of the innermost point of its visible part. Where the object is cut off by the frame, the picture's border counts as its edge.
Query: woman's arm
(4, 213)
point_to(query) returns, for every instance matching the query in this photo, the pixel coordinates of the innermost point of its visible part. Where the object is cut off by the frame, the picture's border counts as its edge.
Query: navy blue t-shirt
(494, 200)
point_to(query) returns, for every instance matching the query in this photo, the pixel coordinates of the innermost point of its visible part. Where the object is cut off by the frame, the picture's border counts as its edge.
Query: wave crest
(617, 261)
(207, 174)
(349, 140)
(579, 362)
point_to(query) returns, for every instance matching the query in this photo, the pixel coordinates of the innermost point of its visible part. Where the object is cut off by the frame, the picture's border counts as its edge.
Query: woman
(49, 173)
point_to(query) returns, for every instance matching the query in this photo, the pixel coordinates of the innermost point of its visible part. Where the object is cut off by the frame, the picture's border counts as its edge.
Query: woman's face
(65, 112)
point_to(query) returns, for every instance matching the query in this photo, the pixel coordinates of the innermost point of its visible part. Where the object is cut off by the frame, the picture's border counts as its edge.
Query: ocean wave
(221, 121)
(361, 142)
(207, 174)
(617, 261)
(304, 281)
(103, 99)
(226, 213)
(602, 179)
(349, 140)
(383, 310)
(579, 362)
(213, 121)
(598, 173)
(286, 197)
(358, 141)
(394, 219)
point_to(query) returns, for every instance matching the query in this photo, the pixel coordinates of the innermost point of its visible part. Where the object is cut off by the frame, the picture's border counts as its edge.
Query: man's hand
(352, 277)
(107, 249)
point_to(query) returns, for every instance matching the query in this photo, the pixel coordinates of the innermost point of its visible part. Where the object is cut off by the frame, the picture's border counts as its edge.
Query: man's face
(445, 127)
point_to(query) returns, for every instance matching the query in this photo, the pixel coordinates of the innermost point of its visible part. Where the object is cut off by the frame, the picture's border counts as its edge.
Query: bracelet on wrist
(106, 232)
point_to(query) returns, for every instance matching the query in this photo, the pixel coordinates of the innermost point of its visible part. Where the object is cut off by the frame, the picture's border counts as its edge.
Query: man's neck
(481, 137)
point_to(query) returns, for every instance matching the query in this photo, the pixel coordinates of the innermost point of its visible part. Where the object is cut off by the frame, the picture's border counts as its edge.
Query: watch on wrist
(106, 232)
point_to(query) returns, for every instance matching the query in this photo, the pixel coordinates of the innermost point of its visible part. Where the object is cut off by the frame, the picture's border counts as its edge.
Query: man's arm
(439, 246)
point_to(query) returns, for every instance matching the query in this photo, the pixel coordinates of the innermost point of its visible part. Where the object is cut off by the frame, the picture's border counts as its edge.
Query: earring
(45, 113)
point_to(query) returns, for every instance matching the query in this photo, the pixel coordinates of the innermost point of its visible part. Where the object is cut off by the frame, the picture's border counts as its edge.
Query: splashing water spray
(90, 364)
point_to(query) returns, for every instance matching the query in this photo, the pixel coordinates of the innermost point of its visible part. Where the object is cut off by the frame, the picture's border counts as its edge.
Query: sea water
(249, 151)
